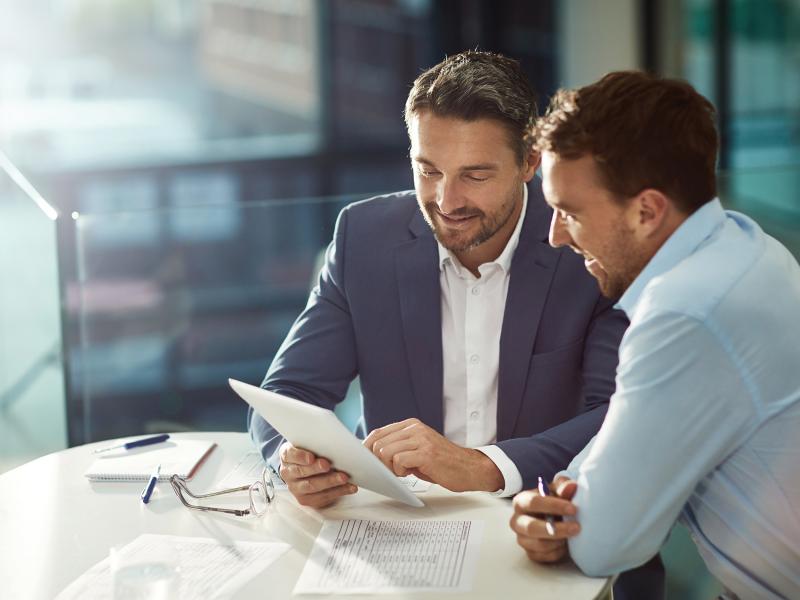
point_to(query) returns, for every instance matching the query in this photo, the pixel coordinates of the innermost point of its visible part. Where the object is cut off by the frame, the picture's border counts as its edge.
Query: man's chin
(454, 243)
(596, 270)
(604, 282)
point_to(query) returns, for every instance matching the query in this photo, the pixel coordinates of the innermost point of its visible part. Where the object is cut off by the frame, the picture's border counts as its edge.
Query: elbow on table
(605, 555)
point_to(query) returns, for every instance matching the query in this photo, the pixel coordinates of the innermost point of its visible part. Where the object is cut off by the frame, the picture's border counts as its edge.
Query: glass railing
(31, 380)
(166, 304)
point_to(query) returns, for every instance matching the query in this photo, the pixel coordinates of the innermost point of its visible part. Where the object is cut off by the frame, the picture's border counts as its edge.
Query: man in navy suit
(486, 357)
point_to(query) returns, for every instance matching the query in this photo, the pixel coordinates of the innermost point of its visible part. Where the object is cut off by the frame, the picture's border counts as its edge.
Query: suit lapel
(420, 308)
(532, 270)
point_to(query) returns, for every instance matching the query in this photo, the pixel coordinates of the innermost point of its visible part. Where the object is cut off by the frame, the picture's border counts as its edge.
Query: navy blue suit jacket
(376, 313)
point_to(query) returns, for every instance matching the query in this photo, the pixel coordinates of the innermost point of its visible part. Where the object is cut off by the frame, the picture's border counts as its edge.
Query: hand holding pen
(537, 520)
(548, 519)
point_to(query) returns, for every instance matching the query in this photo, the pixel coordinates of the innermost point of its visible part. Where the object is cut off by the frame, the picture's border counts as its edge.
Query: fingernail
(342, 477)
(351, 489)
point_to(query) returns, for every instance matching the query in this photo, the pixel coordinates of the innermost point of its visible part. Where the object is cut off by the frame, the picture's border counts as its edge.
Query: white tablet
(319, 430)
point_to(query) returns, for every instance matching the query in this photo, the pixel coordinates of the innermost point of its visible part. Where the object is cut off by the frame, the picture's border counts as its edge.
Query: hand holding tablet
(311, 479)
(318, 431)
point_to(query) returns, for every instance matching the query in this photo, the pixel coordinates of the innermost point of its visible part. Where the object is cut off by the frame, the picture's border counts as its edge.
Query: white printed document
(200, 568)
(385, 557)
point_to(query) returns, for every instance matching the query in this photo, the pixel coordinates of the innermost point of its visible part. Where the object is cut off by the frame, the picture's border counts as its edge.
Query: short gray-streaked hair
(478, 85)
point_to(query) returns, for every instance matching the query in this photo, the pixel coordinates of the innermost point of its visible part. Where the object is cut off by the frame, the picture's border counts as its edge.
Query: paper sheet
(384, 557)
(251, 464)
(206, 567)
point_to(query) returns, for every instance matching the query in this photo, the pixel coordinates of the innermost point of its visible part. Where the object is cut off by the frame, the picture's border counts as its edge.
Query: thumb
(566, 488)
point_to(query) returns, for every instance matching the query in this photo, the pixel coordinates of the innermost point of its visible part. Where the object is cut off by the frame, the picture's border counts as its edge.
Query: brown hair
(643, 132)
(478, 85)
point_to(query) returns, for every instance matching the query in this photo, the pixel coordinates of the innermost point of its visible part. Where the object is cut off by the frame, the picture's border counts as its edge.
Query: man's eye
(426, 173)
(476, 178)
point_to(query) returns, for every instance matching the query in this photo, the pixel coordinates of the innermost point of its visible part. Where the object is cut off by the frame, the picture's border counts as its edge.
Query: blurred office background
(171, 169)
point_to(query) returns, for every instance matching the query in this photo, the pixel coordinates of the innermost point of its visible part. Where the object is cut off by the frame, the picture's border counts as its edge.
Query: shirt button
(474, 415)
(476, 291)
(474, 359)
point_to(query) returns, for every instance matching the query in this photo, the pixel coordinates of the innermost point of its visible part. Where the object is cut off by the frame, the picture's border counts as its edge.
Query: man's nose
(558, 235)
(449, 196)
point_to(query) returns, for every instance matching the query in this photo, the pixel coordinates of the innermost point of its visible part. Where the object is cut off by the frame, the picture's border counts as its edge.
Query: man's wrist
(487, 476)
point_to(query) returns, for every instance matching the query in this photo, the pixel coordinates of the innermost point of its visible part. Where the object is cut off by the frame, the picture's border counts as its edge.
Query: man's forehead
(479, 134)
(567, 172)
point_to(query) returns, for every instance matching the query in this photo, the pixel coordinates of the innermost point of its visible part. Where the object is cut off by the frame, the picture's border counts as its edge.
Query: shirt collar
(504, 260)
(681, 244)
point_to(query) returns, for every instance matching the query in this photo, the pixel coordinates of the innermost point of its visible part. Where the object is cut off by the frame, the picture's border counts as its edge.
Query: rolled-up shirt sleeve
(681, 404)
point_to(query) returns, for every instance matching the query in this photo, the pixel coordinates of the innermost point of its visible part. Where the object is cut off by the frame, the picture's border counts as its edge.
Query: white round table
(55, 524)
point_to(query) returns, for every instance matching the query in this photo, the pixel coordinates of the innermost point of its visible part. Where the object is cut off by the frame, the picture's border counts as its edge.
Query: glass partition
(168, 303)
(31, 381)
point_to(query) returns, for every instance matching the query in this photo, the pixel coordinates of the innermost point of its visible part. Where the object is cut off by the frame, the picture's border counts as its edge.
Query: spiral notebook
(176, 457)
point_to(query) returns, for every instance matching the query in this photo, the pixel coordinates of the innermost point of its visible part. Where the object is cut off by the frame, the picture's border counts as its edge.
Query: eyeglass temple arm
(179, 485)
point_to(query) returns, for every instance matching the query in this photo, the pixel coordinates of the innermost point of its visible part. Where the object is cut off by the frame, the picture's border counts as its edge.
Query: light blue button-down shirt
(705, 423)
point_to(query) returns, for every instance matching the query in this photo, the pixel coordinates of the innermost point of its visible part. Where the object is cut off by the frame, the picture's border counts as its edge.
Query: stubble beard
(489, 224)
(630, 263)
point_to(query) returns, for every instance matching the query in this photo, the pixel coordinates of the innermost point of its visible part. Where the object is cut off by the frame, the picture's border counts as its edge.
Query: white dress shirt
(472, 319)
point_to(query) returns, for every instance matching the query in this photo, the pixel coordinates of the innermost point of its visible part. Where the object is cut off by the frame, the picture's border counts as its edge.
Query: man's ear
(649, 212)
(531, 164)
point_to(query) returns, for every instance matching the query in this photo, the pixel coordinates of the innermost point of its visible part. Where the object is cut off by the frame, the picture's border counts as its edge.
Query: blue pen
(156, 439)
(545, 491)
(151, 485)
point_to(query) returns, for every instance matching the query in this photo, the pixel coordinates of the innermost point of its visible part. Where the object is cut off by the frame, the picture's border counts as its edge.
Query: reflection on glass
(764, 58)
(90, 82)
(167, 304)
(31, 380)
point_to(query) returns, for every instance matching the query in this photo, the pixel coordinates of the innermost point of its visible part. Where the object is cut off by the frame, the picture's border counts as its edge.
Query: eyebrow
(475, 167)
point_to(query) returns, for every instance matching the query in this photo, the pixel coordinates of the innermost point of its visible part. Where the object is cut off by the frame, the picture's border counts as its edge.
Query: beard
(622, 263)
(488, 223)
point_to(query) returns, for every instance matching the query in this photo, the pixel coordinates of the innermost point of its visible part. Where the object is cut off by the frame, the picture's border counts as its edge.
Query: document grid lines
(407, 554)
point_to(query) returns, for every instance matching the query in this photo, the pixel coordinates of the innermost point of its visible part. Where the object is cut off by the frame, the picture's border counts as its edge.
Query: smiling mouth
(588, 259)
(455, 219)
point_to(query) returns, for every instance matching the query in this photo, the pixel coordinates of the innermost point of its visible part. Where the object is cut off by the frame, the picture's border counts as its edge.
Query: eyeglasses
(261, 493)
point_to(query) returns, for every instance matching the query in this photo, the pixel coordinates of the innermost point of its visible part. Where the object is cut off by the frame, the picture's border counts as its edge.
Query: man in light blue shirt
(704, 426)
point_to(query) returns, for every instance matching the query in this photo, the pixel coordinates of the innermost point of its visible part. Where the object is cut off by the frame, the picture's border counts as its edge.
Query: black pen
(545, 491)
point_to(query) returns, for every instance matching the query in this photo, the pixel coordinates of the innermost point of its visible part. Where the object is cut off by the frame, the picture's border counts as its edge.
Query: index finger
(292, 455)
(525, 525)
(530, 501)
(381, 432)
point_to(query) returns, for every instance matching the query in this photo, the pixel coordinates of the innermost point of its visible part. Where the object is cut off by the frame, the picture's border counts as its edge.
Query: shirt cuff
(509, 471)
